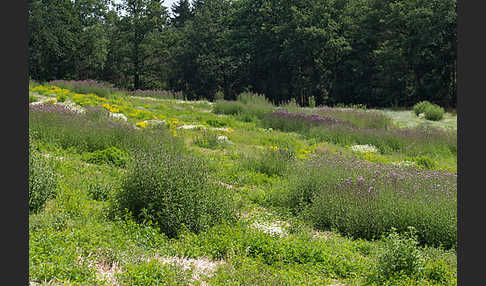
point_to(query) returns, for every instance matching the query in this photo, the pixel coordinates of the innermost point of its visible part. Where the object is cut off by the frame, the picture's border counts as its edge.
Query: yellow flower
(273, 148)
(142, 124)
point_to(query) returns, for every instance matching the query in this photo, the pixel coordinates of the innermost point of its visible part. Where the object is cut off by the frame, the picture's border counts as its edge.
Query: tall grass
(163, 94)
(248, 107)
(103, 89)
(90, 131)
(411, 141)
(358, 117)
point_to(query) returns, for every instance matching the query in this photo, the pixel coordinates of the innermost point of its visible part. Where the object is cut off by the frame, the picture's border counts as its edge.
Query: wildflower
(364, 148)
(142, 124)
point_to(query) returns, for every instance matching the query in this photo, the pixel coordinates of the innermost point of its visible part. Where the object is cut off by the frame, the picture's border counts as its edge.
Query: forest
(379, 53)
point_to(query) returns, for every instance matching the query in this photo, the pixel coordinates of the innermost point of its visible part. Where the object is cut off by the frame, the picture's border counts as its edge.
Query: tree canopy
(375, 52)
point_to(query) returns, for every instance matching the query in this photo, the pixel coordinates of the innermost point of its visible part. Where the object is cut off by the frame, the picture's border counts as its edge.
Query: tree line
(376, 52)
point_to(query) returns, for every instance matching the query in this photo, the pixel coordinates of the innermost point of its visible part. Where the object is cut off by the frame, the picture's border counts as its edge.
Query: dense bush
(434, 112)
(42, 181)
(400, 257)
(173, 190)
(111, 155)
(420, 107)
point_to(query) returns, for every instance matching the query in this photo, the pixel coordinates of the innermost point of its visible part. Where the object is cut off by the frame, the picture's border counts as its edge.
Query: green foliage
(312, 102)
(248, 108)
(174, 191)
(100, 191)
(362, 203)
(425, 162)
(154, 273)
(52, 256)
(434, 112)
(401, 256)
(61, 98)
(92, 131)
(32, 98)
(42, 180)
(110, 155)
(210, 140)
(219, 95)
(273, 162)
(216, 122)
(420, 107)
(228, 107)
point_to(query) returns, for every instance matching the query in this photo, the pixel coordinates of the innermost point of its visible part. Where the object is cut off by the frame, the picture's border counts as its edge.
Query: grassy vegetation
(168, 203)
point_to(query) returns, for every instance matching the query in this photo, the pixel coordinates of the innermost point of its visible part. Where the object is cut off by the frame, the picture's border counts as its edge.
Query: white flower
(118, 116)
(222, 138)
(404, 163)
(364, 148)
(192, 127)
(274, 228)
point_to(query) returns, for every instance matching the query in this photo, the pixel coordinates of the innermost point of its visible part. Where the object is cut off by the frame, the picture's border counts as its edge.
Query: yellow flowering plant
(142, 124)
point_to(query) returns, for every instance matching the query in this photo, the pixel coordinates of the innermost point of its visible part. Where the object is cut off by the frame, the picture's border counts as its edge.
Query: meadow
(145, 188)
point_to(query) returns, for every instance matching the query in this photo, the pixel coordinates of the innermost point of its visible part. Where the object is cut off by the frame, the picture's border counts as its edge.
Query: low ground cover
(268, 206)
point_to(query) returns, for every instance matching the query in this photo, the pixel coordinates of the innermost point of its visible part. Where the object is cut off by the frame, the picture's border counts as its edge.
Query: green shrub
(209, 140)
(154, 273)
(42, 181)
(247, 107)
(219, 95)
(228, 107)
(32, 98)
(438, 271)
(270, 162)
(312, 102)
(100, 192)
(420, 107)
(401, 255)
(173, 190)
(110, 155)
(434, 112)
(61, 98)
(424, 162)
(216, 123)
(250, 98)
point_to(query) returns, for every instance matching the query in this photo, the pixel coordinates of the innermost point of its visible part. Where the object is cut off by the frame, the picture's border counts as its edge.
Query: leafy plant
(110, 155)
(155, 273)
(42, 181)
(421, 106)
(61, 98)
(174, 191)
(434, 112)
(210, 140)
(32, 98)
(401, 255)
